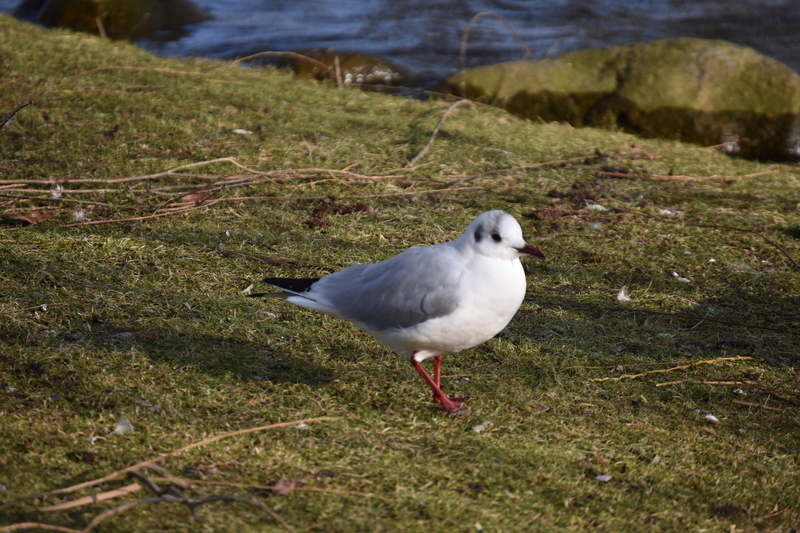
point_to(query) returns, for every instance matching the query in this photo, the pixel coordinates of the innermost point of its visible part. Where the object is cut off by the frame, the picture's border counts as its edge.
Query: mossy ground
(152, 312)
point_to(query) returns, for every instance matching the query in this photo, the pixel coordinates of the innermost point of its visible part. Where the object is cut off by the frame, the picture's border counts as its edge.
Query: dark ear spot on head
(496, 236)
(478, 234)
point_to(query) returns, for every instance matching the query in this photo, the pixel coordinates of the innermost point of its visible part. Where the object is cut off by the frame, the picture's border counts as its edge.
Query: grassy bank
(125, 298)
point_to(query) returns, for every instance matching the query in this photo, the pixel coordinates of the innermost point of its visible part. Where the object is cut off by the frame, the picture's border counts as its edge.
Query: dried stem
(120, 473)
(38, 525)
(682, 367)
(732, 228)
(191, 482)
(14, 112)
(94, 498)
(294, 55)
(748, 404)
(424, 150)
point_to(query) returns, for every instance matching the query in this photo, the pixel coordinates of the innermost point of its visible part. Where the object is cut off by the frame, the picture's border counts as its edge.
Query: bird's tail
(290, 287)
(282, 295)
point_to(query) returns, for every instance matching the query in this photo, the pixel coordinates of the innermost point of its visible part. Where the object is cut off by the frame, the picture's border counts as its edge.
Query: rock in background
(117, 19)
(694, 90)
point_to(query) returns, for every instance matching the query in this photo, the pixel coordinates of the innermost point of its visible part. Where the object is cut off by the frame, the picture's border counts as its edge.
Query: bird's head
(497, 234)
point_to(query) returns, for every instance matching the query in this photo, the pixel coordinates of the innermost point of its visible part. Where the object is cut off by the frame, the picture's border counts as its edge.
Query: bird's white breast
(491, 292)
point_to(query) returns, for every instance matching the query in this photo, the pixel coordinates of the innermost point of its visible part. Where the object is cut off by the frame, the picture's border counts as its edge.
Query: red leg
(437, 373)
(437, 370)
(448, 404)
(437, 376)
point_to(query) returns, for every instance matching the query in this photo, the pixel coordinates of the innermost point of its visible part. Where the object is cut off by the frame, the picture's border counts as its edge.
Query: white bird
(429, 300)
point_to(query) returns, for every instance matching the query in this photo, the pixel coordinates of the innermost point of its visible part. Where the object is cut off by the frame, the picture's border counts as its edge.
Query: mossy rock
(119, 19)
(694, 90)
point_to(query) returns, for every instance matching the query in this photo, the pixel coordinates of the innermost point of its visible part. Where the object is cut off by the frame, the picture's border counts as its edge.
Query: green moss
(151, 312)
(693, 90)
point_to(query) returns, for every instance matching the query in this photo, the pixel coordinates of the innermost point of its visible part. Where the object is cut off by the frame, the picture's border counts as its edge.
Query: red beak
(531, 250)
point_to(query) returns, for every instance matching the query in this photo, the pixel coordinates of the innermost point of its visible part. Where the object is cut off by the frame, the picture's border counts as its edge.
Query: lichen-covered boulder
(695, 90)
(117, 19)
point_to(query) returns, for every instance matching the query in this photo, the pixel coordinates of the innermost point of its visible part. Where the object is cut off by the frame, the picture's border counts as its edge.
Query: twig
(436, 131)
(119, 473)
(48, 199)
(69, 191)
(270, 197)
(94, 498)
(37, 525)
(288, 173)
(720, 145)
(272, 487)
(771, 515)
(626, 365)
(764, 173)
(358, 196)
(748, 404)
(148, 217)
(338, 69)
(11, 115)
(682, 367)
(294, 55)
(100, 27)
(713, 383)
(663, 177)
(648, 288)
(776, 245)
(193, 504)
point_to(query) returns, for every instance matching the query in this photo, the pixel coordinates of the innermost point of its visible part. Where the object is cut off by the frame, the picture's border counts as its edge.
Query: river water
(425, 35)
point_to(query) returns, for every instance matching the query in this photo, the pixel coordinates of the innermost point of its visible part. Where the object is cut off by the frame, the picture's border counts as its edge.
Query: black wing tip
(293, 285)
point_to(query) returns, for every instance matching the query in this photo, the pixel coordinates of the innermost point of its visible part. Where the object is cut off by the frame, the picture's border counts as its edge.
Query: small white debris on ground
(153, 407)
(623, 295)
(482, 426)
(123, 426)
(681, 279)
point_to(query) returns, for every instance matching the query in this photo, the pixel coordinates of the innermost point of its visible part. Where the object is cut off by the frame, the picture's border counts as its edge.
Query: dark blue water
(425, 35)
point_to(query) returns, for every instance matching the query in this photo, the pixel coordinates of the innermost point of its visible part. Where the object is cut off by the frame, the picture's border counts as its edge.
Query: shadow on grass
(756, 325)
(220, 356)
(207, 353)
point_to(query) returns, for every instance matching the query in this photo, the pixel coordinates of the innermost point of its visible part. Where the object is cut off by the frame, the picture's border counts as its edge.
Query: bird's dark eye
(496, 237)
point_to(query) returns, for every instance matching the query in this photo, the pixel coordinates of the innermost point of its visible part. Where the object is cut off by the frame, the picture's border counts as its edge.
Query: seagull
(428, 300)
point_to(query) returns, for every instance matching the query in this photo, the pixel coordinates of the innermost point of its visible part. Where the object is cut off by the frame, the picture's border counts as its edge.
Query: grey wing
(410, 288)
